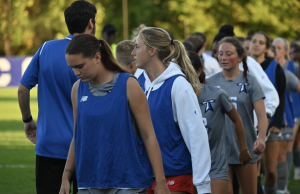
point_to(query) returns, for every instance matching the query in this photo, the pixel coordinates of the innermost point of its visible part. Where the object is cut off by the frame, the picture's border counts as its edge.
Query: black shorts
(49, 173)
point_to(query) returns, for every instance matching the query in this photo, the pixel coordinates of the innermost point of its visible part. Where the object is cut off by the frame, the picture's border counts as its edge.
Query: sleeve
(272, 98)
(30, 77)
(187, 114)
(297, 70)
(281, 87)
(292, 80)
(255, 91)
(225, 102)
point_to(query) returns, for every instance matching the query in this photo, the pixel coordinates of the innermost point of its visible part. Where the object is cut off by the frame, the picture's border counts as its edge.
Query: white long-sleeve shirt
(187, 114)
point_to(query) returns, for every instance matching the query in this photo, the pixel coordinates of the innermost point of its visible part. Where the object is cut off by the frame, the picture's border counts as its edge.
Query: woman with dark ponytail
(260, 44)
(215, 104)
(247, 95)
(113, 142)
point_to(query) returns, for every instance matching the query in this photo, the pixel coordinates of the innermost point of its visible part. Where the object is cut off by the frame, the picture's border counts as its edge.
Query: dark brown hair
(88, 46)
(240, 51)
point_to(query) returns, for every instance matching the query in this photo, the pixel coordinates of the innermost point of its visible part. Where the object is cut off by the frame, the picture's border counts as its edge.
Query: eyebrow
(76, 66)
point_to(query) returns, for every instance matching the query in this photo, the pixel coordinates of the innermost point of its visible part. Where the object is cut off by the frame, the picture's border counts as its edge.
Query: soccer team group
(155, 115)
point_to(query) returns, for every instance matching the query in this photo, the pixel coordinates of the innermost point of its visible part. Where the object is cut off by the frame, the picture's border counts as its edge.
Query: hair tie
(172, 42)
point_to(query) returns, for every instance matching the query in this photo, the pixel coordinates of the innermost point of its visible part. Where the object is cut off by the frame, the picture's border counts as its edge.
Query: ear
(90, 25)
(98, 57)
(152, 51)
(240, 59)
(199, 72)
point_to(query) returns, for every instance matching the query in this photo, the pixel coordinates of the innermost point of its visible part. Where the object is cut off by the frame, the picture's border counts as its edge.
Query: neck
(281, 61)
(231, 73)
(104, 76)
(156, 69)
(259, 59)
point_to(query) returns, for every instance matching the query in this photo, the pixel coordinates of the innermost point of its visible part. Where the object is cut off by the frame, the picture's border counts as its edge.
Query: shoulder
(181, 86)
(213, 77)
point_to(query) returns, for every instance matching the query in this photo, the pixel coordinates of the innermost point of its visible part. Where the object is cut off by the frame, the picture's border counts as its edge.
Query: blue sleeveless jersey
(295, 96)
(271, 72)
(175, 155)
(107, 151)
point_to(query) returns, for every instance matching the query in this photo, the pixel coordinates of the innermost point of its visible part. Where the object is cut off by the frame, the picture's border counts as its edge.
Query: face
(141, 53)
(84, 68)
(281, 52)
(258, 45)
(247, 47)
(228, 56)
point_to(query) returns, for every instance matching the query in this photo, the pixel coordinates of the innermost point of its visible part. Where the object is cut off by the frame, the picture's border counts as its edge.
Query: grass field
(17, 156)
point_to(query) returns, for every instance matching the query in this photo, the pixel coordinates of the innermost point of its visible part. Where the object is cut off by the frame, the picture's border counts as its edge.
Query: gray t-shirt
(102, 90)
(214, 104)
(243, 94)
(296, 67)
(291, 80)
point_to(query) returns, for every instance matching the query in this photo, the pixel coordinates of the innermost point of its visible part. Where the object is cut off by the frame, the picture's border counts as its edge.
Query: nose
(76, 72)
(133, 52)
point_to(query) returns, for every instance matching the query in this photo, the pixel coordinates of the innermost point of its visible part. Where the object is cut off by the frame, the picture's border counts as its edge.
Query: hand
(245, 157)
(259, 146)
(65, 187)
(274, 130)
(30, 131)
(161, 188)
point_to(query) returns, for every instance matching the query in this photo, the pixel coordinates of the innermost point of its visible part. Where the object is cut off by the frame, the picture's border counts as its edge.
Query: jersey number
(234, 101)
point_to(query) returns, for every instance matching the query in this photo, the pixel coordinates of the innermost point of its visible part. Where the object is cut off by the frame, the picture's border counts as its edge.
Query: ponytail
(170, 50)
(245, 66)
(185, 64)
(88, 46)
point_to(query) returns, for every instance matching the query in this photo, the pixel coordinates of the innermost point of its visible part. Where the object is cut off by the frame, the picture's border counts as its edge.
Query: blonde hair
(286, 46)
(160, 39)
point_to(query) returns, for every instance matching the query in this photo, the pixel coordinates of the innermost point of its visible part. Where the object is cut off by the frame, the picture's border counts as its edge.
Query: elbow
(22, 90)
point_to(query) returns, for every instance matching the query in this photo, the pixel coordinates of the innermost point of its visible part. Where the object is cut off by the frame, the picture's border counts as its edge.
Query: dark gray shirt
(291, 80)
(243, 94)
(214, 104)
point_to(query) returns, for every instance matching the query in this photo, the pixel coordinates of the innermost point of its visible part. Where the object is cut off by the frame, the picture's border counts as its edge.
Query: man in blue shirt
(54, 130)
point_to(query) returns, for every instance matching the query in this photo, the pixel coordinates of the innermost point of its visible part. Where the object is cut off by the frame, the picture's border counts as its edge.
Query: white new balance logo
(170, 182)
(84, 98)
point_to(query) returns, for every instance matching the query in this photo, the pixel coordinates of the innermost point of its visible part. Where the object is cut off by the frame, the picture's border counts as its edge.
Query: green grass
(17, 156)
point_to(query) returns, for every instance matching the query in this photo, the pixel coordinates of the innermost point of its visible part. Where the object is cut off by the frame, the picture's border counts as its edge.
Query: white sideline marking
(17, 166)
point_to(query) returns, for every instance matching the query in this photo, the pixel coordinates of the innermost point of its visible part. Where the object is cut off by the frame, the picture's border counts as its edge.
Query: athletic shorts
(49, 173)
(297, 121)
(287, 134)
(177, 183)
(219, 168)
(112, 191)
(271, 137)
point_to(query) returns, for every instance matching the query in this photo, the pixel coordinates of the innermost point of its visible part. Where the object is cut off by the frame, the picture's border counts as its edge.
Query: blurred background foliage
(26, 24)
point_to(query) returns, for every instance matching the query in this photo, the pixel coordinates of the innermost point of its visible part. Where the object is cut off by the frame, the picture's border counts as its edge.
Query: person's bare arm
(259, 144)
(24, 104)
(244, 156)
(138, 105)
(70, 164)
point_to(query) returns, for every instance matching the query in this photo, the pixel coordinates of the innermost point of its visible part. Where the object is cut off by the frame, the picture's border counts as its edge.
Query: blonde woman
(171, 84)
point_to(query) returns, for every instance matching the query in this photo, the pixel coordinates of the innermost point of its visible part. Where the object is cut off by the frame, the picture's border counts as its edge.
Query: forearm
(262, 126)
(155, 158)
(70, 164)
(24, 101)
(240, 133)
